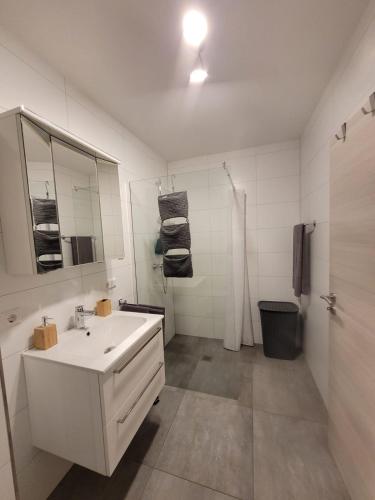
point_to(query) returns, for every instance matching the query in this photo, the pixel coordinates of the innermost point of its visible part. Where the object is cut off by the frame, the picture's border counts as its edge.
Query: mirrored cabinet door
(110, 202)
(42, 195)
(77, 193)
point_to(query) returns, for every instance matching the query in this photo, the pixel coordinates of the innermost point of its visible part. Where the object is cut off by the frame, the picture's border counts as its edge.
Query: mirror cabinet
(60, 202)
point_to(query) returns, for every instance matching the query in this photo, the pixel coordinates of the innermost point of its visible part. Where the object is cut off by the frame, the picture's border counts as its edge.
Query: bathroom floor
(260, 438)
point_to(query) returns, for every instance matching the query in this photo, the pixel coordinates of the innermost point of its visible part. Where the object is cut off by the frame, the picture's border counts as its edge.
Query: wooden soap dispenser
(45, 335)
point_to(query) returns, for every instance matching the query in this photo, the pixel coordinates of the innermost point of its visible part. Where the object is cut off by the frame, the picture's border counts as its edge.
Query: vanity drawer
(128, 377)
(124, 425)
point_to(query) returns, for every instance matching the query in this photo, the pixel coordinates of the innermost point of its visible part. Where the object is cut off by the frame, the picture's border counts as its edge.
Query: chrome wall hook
(343, 131)
(372, 105)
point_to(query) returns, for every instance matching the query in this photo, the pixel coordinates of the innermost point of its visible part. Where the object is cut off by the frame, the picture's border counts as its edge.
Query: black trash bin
(281, 329)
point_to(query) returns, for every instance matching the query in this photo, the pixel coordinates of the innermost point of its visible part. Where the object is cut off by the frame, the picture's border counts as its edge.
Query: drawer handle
(122, 420)
(119, 370)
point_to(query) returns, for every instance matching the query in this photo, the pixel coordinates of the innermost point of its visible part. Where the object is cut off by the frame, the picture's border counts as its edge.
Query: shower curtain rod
(228, 174)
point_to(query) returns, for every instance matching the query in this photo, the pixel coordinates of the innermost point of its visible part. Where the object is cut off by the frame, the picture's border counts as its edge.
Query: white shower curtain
(238, 327)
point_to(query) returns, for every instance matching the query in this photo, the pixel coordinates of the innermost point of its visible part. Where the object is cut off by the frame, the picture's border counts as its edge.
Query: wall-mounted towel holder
(343, 132)
(372, 106)
(310, 228)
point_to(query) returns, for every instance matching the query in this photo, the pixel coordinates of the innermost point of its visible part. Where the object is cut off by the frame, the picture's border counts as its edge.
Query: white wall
(270, 175)
(25, 79)
(352, 83)
(6, 476)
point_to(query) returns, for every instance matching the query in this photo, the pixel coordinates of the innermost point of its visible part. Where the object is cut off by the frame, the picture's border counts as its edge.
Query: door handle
(331, 300)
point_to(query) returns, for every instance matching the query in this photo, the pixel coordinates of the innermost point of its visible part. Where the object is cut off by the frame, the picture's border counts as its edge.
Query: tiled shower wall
(270, 176)
(199, 302)
(25, 79)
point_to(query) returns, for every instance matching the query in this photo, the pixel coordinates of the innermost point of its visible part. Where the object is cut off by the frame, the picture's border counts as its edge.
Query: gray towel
(44, 211)
(175, 236)
(82, 250)
(173, 205)
(178, 266)
(301, 260)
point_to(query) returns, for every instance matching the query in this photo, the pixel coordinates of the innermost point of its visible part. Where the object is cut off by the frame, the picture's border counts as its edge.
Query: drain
(109, 349)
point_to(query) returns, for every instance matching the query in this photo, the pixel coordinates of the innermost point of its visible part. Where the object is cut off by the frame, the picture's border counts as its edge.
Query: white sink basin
(103, 342)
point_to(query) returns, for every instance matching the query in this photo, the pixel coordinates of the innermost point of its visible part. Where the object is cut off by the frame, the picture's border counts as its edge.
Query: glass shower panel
(152, 287)
(198, 302)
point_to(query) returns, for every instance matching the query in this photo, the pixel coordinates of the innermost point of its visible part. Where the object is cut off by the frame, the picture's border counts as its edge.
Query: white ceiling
(268, 61)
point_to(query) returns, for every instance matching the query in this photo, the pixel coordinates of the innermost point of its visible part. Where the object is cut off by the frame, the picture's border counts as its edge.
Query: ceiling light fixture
(194, 27)
(198, 75)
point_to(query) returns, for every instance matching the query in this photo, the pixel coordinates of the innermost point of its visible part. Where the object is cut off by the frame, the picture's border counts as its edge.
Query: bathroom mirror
(110, 202)
(77, 193)
(42, 194)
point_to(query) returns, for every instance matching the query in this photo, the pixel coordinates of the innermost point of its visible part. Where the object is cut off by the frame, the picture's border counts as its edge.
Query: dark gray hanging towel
(173, 205)
(175, 236)
(301, 260)
(178, 266)
(82, 251)
(47, 243)
(44, 211)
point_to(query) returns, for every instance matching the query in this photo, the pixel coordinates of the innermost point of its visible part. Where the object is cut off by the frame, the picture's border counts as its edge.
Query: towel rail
(310, 228)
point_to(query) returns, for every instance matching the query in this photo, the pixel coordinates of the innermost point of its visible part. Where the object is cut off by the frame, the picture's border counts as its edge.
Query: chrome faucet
(80, 314)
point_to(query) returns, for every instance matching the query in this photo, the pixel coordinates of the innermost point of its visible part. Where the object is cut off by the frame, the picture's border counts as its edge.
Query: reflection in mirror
(42, 192)
(79, 206)
(110, 203)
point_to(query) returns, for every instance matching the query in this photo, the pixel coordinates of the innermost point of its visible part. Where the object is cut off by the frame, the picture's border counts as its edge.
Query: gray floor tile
(210, 443)
(149, 440)
(179, 369)
(287, 391)
(292, 461)
(127, 483)
(203, 365)
(163, 486)
(183, 344)
(218, 378)
(260, 358)
(245, 397)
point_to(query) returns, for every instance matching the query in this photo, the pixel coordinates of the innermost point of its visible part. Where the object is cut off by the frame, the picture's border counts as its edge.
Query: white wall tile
(275, 288)
(15, 382)
(24, 451)
(6, 483)
(278, 215)
(4, 444)
(200, 243)
(21, 84)
(278, 164)
(40, 477)
(275, 239)
(194, 325)
(283, 189)
(275, 264)
(193, 306)
(243, 169)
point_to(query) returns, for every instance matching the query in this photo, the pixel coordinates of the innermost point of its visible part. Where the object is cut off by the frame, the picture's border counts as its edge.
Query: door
(352, 321)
